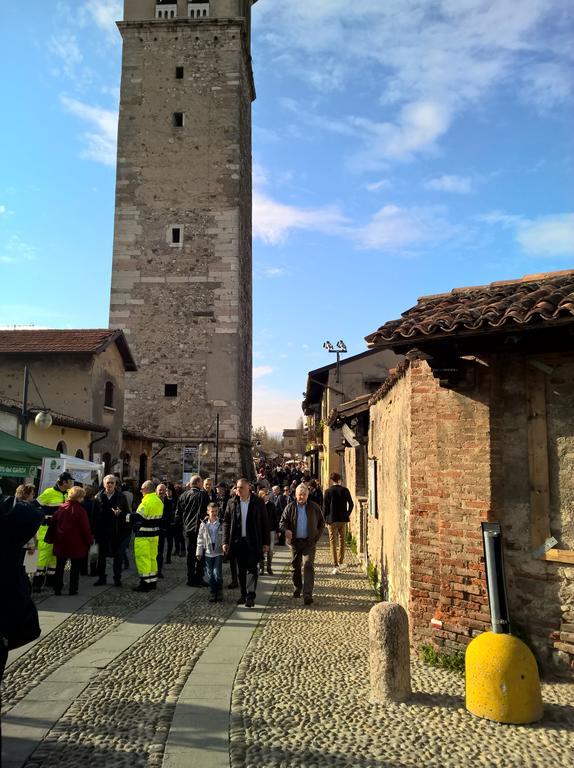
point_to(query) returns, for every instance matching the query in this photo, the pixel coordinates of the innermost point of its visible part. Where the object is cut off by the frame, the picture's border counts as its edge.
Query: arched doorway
(126, 465)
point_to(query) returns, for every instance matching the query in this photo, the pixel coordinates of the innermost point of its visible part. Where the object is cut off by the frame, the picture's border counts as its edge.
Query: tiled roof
(59, 341)
(59, 419)
(535, 300)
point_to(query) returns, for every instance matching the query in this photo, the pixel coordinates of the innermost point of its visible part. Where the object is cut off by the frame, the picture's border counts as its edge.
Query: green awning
(19, 458)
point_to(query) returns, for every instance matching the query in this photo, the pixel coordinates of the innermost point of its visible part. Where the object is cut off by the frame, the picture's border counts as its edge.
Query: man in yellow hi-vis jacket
(146, 521)
(50, 499)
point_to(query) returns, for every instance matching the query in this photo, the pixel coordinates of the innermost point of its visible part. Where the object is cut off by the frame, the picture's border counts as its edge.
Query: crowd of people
(241, 523)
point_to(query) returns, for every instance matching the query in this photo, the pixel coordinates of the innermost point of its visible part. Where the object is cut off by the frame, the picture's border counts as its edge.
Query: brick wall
(449, 460)
(450, 495)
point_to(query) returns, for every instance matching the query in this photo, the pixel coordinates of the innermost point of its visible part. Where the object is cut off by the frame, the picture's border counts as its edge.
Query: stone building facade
(476, 426)
(182, 273)
(326, 388)
(80, 375)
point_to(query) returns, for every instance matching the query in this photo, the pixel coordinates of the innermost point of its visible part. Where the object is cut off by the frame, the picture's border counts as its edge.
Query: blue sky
(401, 148)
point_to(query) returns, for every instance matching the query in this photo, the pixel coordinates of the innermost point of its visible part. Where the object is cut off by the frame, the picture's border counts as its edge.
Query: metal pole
(338, 365)
(199, 458)
(494, 564)
(216, 448)
(24, 419)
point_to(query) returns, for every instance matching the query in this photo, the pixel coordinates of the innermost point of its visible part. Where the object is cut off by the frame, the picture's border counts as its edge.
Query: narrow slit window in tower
(170, 390)
(176, 235)
(178, 118)
(179, 73)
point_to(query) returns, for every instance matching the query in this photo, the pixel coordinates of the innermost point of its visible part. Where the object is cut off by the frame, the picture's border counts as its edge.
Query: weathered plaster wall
(108, 366)
(63, 381)
(388, 534)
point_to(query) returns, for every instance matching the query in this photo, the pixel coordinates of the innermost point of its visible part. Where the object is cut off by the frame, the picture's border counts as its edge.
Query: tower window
(179, 73)
(165, 10)
(197, 9)
(109, 395)
(170, 390)
(174, 235)
(178, 119)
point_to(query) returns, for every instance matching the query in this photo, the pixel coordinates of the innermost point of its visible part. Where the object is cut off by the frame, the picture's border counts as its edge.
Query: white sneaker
(335, 571)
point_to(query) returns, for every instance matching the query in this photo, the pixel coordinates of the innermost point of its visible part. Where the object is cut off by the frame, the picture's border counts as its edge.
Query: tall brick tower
(181, 281)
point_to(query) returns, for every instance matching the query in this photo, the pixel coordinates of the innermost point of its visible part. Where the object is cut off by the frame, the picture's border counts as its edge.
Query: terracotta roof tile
(58, 341)
(533, 300)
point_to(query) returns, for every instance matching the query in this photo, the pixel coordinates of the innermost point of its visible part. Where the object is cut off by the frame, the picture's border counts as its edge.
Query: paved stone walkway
(301, 698)
(167, 679)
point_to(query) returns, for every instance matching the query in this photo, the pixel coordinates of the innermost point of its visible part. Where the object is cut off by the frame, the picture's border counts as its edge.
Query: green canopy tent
(19, 458)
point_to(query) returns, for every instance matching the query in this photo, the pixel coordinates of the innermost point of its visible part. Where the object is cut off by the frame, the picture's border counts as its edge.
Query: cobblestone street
(125, 679)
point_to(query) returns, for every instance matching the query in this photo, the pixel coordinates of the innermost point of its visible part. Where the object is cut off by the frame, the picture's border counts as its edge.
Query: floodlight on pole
(340, 349)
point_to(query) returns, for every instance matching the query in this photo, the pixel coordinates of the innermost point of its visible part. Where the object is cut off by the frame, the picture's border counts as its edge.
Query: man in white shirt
(246, 536)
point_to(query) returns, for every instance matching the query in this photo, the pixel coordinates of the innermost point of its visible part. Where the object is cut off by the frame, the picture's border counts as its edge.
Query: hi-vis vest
(51, 498)
(148, 516)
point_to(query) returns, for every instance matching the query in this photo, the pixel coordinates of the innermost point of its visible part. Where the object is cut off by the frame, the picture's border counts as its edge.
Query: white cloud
(2, 209)
(275, 409)
(270, 272)
(261, 370)
(16, 251)
(101, 139)
(272, 220)
(551, 235)
(105, 13)
(417, 128)
(65, 48)
(374, 186)
(547, 85)
(547, 235)
(459, 185)
(398, 229)
(450, 54)
(506, 220)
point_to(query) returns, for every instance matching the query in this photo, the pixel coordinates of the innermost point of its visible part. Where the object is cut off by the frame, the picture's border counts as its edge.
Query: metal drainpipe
(494, 564)
(97, 440)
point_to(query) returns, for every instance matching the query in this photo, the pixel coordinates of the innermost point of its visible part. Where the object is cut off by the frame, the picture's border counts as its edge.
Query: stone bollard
(389, 653)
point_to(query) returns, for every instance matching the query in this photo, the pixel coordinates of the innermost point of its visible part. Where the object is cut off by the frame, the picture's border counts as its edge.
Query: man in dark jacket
(303, 523)
(19, 521)
(191, 510)
(111, 529)
(246, 536)
(338, 505)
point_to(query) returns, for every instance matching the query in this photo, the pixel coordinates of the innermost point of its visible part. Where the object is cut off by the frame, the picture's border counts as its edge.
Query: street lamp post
(339, 350)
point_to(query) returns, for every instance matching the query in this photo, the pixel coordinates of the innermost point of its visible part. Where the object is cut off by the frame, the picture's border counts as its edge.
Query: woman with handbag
(71, 535)
(19, 522)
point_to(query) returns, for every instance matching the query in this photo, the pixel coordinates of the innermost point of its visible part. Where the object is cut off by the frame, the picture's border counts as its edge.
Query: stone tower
(182, 274)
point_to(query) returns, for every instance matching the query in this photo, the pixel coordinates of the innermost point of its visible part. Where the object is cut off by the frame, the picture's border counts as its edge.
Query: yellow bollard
(502, 682)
